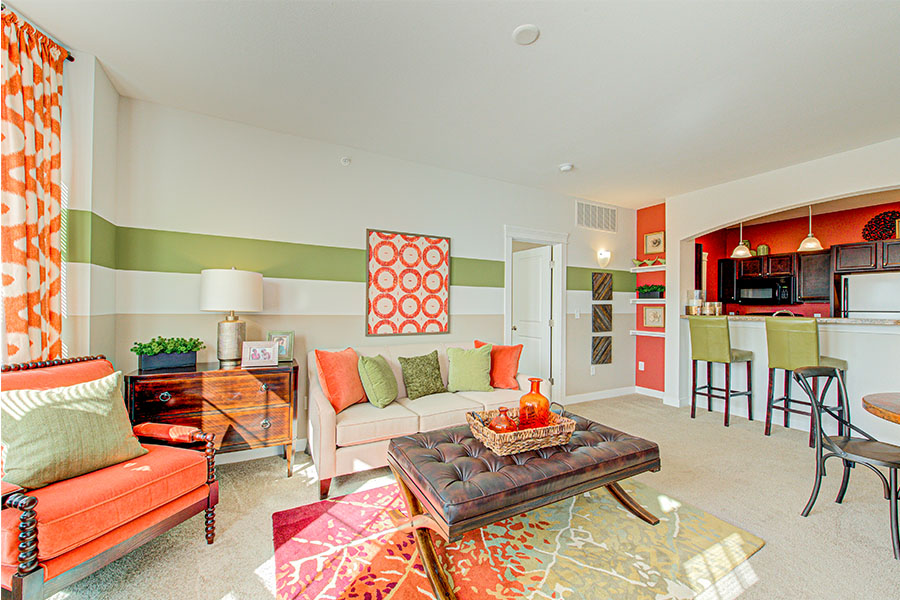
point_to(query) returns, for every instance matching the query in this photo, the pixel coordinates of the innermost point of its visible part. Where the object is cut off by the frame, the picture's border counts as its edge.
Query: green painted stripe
(93, 239)
(579, 279)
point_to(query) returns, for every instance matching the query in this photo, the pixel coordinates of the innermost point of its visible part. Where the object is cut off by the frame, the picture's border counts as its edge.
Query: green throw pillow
(377, 380)
(470, 370)
(422, 375)
(64, 432)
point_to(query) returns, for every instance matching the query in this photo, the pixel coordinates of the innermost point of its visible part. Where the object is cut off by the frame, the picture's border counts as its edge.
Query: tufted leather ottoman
(453, 484)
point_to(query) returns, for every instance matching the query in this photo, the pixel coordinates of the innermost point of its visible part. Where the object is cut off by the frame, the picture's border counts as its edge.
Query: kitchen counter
(870, 346)
(821, 320)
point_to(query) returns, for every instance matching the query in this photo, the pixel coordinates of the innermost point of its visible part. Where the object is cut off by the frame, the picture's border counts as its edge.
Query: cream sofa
(356, 439)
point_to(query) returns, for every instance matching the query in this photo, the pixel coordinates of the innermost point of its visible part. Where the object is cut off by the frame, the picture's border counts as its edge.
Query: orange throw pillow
(504, 365)
(339, 377)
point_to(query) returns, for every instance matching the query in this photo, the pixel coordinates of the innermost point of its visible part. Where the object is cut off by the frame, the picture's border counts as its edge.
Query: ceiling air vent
(596, 216)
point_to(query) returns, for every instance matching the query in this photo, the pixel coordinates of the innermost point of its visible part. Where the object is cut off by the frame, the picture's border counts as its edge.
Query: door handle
(514, 328)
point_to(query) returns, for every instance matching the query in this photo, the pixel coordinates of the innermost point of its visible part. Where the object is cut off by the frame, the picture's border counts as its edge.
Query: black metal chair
(865, 450)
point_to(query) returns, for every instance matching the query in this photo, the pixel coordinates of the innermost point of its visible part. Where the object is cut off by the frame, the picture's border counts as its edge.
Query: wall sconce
(603, 257)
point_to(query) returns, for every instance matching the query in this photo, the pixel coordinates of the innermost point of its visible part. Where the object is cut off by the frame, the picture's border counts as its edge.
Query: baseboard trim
(599, 395)
(253, 453)
(649, 392)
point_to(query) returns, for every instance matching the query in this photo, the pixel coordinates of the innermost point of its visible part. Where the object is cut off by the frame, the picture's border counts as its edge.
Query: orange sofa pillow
(339, 377)
(504, 365)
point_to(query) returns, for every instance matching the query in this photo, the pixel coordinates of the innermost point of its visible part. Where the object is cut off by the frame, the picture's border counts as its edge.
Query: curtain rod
(69, 56)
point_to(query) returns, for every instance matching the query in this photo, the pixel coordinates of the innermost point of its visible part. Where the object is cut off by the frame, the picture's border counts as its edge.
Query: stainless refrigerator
(871, 296)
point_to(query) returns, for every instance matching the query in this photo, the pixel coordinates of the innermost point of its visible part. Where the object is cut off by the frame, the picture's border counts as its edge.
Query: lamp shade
(224, 290)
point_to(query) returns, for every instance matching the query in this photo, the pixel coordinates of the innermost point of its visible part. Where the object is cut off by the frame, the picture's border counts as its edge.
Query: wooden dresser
(245, 408)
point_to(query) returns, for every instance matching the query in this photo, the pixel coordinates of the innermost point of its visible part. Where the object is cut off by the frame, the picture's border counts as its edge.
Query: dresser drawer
(218, 392)
(256, 427)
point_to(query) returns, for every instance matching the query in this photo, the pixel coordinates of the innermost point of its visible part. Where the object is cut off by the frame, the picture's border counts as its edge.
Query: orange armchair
(58, 534)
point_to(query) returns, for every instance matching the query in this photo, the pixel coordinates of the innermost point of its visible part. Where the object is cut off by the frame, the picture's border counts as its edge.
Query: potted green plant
(167, 353)
(651, 291)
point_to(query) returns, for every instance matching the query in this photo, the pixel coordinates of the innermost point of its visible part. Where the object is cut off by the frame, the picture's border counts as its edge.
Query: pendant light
(810, 243)
(741, 251)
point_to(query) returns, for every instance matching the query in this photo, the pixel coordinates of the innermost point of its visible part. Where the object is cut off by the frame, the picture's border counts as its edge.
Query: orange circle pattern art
(408, 284)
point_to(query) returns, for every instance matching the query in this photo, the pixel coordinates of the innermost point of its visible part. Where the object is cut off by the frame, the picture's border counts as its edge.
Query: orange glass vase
(534, 408)
(502, 423)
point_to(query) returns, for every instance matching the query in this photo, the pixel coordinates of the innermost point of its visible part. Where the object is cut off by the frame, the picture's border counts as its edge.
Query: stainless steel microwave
(766, 290)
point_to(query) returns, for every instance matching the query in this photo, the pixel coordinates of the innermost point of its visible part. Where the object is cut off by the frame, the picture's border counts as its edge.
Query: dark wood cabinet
(850, 258)
(244, 408)
(890, 254)
(727, 280)
(750, 267)
(814, 276)
(780, 264)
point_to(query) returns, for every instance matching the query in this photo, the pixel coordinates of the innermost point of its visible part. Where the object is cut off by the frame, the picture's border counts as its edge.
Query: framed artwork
(601, 350)
(259, 354)
(407, 283)
(655, 243)
(601, 287)
(654, 316)
(601, 320)
(285, 343)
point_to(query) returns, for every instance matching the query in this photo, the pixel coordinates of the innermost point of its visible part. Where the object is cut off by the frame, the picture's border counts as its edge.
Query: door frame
(559, 242)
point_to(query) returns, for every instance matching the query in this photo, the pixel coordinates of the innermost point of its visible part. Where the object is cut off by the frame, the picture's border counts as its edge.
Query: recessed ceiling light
(566, 167)
(526, 34)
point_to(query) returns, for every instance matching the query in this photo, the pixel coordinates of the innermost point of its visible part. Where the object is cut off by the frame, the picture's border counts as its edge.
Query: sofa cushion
(378, 380)
(73, 512)
(339, 377)
(440, 410)
(496, 399)
(54, 434)
(469, 369)
(422, 375)
(504, 365)
(366, 422)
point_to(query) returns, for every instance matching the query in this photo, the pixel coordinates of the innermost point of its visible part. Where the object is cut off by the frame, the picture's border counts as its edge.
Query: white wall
(871, 168)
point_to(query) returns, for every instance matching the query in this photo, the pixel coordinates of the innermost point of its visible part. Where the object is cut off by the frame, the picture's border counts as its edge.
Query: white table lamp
(230, 291)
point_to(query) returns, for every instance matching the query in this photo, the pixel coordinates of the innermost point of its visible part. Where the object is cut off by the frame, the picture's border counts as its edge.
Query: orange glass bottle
(534, 408)
(502, 423)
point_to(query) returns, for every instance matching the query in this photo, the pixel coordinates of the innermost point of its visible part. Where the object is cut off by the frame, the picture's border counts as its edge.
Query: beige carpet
(759, 484)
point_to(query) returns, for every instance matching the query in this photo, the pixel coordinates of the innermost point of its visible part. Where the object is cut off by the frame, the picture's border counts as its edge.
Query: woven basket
(557, 433)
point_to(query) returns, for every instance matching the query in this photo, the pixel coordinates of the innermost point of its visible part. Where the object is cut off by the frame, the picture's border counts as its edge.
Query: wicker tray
(557, 433)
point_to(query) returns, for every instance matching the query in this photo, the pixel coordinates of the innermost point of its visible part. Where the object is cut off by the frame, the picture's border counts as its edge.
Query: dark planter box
(650, 294)
(167, 360)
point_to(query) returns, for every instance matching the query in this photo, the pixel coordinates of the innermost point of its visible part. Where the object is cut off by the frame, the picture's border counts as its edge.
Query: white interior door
(531, 309)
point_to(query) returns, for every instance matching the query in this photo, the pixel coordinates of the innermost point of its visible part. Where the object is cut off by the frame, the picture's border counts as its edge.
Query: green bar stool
(793, 342)
(711, 342)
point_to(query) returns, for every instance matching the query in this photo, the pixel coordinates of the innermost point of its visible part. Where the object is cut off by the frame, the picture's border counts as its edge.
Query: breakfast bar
(871, 348)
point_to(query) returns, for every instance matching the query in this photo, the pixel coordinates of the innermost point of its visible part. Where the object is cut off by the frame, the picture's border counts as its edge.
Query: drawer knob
(265, 424)
(264, 387)
(165, 397)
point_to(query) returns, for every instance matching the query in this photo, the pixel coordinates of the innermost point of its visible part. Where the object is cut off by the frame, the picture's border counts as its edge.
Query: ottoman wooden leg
(424, 542)
(630, 503)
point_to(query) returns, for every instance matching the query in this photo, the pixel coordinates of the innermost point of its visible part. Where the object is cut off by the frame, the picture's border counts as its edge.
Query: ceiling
(648, 99)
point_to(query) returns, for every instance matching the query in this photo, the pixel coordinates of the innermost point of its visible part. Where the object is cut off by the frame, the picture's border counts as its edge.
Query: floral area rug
(587, 546)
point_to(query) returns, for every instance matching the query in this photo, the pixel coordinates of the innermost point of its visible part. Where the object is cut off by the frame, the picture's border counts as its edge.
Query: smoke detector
(525, 35)
(566, 167)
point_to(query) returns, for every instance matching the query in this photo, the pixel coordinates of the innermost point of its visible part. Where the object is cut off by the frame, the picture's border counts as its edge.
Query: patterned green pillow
(377, 380)
(470, 370)
(422, 375)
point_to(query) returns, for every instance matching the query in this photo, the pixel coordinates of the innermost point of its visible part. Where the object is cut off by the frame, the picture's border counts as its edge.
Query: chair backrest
(824, 377)
(710, 339)
(56, 373)
(792, 342)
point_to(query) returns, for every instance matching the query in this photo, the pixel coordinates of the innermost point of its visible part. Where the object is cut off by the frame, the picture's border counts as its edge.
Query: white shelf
(648, 300)
(650, 269)
(660, 334)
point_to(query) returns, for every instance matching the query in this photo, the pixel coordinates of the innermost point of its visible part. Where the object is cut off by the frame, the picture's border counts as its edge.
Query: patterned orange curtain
(31, 93)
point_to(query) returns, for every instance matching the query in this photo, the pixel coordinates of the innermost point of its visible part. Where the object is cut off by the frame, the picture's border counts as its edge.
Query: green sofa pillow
(64, 432)
(470, 370)
(377, 380)
(422, 375)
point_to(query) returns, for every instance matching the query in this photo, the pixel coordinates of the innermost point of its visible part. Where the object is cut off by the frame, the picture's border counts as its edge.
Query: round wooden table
(885, 405)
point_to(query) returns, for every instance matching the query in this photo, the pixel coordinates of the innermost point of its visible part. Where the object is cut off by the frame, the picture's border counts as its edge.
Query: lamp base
(230, 342)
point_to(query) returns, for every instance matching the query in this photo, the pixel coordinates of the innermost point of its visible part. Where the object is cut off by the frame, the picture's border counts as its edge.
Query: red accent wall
(714, 244)
(649, 350)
